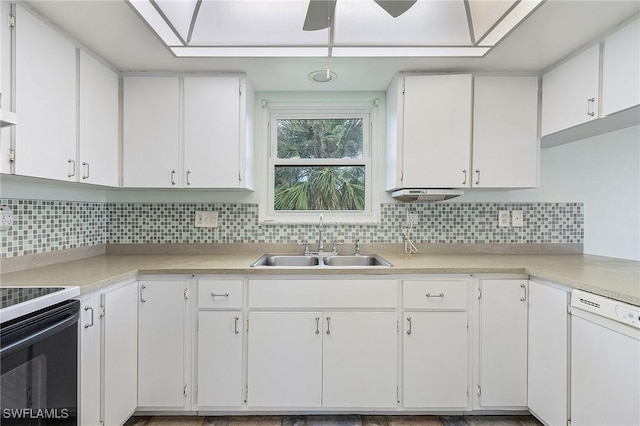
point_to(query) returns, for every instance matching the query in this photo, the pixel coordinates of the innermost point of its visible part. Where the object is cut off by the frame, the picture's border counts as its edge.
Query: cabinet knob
(72, 167)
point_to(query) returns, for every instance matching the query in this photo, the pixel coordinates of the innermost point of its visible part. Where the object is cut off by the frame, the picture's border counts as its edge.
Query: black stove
(19, 301)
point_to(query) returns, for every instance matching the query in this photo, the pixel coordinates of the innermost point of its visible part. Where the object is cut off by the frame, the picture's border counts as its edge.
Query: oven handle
(39, 335)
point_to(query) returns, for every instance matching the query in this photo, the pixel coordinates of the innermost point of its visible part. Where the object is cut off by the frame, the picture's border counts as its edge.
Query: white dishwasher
(605, 361)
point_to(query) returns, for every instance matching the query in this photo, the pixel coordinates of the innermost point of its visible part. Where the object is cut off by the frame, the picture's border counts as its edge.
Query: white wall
(603, 172)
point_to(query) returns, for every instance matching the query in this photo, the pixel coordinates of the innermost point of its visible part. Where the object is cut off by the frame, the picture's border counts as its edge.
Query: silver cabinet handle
(219, 294)
(409, 321)
(235, 325)
(86, 308)
(434, 295)
(173, 175)
(86, 165)
(590, 111)
(188, 174)
(524, 287)
(317, 325)
(142, 299)
(328, 325)
(72, 167)
(478, 176)
(464, 182)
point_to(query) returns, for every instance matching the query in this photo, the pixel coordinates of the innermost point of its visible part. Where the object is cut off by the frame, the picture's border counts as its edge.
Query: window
(320, 161)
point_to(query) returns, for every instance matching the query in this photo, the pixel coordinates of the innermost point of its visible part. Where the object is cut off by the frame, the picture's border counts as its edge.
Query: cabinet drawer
(323, 293)
(436, 294)
(219, 294)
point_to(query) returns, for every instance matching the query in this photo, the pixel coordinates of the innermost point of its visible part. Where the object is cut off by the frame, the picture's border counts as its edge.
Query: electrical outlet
(412, 218)
(206, 220)
(6, 218)
(503, 218)
(517, 218)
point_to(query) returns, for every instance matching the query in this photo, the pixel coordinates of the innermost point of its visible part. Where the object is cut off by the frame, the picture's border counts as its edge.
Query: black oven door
(39, 364)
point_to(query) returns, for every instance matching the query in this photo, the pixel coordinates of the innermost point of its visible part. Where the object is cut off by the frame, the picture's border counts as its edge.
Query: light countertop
(609, 277)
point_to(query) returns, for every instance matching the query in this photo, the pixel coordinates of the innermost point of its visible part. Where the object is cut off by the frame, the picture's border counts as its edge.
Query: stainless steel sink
(356, 260)
(336, 261)
(287, 260)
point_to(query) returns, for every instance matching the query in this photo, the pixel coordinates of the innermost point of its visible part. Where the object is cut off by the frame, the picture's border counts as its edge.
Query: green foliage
(319, 187)
(320, 138)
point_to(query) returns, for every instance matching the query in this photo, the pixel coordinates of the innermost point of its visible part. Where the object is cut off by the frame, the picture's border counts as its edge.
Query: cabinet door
(89, 364)
(98, 116)
(436, 131)
(548, 353)
(570, 92)
(360, 359)
(151, 154)
(285, 359)
(45, 100)
(161, 346)
(620, 69)
(212, 132)
(220, 335)
(120, 354)
(505, 132)
(503, 343)
(436, 359)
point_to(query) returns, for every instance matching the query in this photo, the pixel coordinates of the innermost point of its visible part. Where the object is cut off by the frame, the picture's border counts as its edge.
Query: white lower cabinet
(285, 359)
(435, 360)
(220, 350)
(89, 361)
(119, 353)
(360, 358)
(502, 370)
(108, 364)
(162, 325)
(436, 344)
(548, 353)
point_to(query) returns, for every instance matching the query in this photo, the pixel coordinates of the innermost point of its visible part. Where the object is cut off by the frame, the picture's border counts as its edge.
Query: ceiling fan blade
(395, 8)
(318, 13)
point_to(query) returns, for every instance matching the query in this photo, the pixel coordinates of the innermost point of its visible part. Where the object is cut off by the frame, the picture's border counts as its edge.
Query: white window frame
(365, 110)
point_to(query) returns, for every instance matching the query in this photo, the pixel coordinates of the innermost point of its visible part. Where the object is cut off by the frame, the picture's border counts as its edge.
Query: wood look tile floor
(346, 420)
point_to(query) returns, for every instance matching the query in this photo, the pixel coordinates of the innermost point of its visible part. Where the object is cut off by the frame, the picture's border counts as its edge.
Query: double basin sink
(321, 260)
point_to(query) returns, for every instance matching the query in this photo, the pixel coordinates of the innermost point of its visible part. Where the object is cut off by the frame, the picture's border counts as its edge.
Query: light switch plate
(206, 220)
(517, 218)
(504, 218)
(6, 218)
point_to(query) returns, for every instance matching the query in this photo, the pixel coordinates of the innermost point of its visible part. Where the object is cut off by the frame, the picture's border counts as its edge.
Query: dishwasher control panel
(605, 307)
(628, 315)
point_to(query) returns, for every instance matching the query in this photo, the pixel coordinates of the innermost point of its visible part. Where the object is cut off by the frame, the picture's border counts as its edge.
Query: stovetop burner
(14, 295)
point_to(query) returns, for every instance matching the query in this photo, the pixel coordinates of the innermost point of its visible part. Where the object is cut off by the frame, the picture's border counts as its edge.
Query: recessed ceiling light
(322, 76)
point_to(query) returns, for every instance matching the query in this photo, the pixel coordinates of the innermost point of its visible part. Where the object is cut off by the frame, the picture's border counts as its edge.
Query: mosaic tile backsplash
(44, 226)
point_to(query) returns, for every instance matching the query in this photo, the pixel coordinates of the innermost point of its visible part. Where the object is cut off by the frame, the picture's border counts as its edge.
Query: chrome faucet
(320, 229)
(357, 246)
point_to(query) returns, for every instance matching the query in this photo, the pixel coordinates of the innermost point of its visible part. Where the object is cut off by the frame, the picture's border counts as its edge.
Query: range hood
(417, 194)
(8, 118)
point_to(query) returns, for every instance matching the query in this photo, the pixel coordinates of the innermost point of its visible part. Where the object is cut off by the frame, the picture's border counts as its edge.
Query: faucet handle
(306, 247)
(334, 249)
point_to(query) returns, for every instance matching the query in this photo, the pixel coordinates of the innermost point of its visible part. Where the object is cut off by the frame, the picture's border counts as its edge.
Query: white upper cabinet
(98, 120)
(621, 69)
(45, 75)
(505, 133)
(570, 92)
(429, 131)
(187, 132)
(213, 129)
(151, 154)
